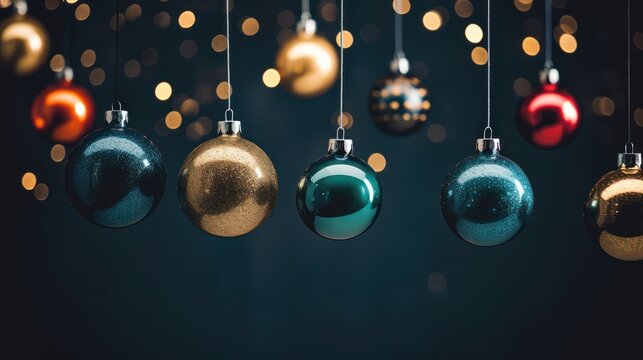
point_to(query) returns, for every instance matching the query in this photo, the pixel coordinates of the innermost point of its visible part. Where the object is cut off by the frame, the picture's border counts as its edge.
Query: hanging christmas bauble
(63, 112)
(227, 186)
(486, 199)
(339, 195)
(399, 103)
(307, 63)
(115, 176)
(614, 209)
(24, 43)
(549, 117)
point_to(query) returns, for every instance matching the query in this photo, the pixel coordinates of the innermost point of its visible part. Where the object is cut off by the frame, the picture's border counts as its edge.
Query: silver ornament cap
(488, 145)
(118, 118)
(229, 127)
(549, 76)
(629, 160)
(340, 147)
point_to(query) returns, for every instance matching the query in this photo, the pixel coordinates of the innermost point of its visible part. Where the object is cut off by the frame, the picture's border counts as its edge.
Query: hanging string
(67, 35)
(227, 37)
(305, 10)
(116, 43)
(340, 129)
(548, 24)
(399, 51)
(484, 133)
(629, 82)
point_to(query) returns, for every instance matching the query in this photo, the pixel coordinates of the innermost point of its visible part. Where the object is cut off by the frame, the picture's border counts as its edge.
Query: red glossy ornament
(549, 117)
(63, 112)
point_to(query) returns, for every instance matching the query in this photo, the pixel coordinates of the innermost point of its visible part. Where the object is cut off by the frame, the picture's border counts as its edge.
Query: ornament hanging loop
(341, 131)
(484, 133)
(116, 102)
(631, 147)
(230, 113)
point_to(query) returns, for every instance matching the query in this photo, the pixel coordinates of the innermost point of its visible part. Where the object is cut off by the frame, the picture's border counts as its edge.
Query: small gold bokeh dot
(530, 46)
(57, 63)
(29, 180)
(163, 91)
(568, 43)
(473, 33)
(88, 58)
(432, 20)
(348, 39)
(377, 161)
(479, 55)
(219, 43)
(57, 153)
(222, 90)
(97, 76)
(271, 78)
(173, 120)
(82, 12)
(250, 26)
(401, 6)
(187, 19)
(464, 8)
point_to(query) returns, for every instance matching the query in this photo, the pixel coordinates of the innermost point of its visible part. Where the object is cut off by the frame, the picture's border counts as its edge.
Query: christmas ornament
(115, 176)
(307, 63)
(63, 112)
(398, 103)
(614, 209)
(487, 199)
(339, 196)
(24, 43)
(549, 117)
(227, 186)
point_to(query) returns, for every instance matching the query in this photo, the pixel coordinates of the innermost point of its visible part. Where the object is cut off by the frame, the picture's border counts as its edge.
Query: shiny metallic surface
(483, 145)
(614, 213)
(229, 127)
(24, 44)
(399, 104)
(63, 112)
(339, 197)
(340, 147)
(117, 118)
(115, 177)
(308, 64)
(227, 186)
(487, 199)
(549, 118)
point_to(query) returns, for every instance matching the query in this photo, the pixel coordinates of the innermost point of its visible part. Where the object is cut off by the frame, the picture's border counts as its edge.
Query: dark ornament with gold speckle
(115, 175)
(399, 102)
(614, 209)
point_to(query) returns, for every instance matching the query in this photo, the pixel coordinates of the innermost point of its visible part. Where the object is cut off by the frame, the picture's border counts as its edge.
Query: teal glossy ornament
(487, 198)
(339, 196)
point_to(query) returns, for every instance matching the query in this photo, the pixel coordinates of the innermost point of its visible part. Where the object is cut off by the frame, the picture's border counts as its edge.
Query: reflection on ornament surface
(549, 117)
(307, 64)
(115, 177)
(24, 44)
(63, 112)
(399, 104)
(487, 199)
(614, 213)
(227, 186)
(339, 197)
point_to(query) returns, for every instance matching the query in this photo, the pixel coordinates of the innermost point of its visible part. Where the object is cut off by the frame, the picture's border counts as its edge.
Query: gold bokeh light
(432, 20)
(473, 33)
(348, 39)
(163, 91)
(377, 161)
(530, 46)
(479, 55)
(250, 26)
(29, 180)
(271, 78)
(187, 19)
(401, 6)
(568, 43)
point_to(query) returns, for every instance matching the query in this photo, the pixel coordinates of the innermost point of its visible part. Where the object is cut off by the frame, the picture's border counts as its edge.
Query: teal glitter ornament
(487, 199)
(115, 175)
(339, 196)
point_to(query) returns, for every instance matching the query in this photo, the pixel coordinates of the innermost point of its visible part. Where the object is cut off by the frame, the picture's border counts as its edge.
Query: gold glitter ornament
(24, 43)
(227, 186)
(614, 210)
(307, 63)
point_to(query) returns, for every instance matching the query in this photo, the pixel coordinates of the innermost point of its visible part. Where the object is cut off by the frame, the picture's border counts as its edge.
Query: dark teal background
(165, 290)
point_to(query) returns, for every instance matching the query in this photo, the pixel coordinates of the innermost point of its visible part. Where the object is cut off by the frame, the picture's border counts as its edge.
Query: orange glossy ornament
(63, 112)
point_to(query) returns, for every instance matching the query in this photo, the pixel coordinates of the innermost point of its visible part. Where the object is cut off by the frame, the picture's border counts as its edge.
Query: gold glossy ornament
(307, 63)
(614, 210)
(227, 186)
(24, 43)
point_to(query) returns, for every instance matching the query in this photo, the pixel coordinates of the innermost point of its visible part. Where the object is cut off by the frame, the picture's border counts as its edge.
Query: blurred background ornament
(24, 42)
(549, 117)
(487, 198)
(614, 209)
(399, 103)
(307, 63)
(63, 112)
(115, 176)
(339, 196)
(227, 186)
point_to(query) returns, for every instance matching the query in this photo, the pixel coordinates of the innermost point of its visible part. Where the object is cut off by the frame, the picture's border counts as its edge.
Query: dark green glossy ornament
(339, 196)
(487, 198)
(115, 176)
